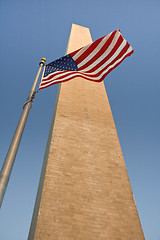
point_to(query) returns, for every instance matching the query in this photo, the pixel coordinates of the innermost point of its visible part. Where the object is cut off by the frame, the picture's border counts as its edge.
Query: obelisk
(84, 191)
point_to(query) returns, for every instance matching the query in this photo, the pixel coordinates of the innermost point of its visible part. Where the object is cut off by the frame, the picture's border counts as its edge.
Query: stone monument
(84, 191)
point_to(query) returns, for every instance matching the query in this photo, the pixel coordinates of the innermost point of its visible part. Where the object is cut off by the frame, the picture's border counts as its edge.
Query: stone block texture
(86, 193)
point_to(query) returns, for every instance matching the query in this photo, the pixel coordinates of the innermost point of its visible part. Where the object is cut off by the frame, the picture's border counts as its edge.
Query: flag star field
(65, 63)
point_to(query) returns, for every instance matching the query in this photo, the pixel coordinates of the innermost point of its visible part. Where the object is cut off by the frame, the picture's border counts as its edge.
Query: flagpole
(10, 157)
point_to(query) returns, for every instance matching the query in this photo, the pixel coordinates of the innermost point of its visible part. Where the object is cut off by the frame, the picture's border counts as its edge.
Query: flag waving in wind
(92, 62)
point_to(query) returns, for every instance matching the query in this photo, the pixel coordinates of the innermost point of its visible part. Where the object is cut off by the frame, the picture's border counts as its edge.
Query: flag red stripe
(99, 65)
(88, 51)
(117, 45)
(73, 53)
(100, 52)
(124, 50)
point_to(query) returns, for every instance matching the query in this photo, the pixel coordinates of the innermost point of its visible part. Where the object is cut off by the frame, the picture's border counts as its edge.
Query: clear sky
(34, 29)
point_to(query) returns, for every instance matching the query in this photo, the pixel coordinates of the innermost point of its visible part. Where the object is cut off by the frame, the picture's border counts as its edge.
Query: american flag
(92, 62)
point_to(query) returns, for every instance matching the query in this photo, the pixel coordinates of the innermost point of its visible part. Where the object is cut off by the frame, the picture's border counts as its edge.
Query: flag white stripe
(105, 54)
(81, 51)
(123, 44)
(77, 74)
(97, 49)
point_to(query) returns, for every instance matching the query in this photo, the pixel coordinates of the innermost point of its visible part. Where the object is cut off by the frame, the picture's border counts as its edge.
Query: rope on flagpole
(30, 100)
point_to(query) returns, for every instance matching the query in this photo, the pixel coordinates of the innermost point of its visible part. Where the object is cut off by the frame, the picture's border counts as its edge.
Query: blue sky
(34, 29)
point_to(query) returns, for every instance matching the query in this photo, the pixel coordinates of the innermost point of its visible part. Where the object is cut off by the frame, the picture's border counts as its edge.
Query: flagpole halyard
(10, 157)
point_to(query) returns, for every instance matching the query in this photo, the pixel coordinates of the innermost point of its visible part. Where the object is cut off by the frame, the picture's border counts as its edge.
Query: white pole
(10, 157)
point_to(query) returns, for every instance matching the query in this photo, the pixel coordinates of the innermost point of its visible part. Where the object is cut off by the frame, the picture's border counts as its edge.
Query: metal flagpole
(10, 157)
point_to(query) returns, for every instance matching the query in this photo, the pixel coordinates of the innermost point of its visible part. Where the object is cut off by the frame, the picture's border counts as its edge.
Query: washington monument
(84, 191)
